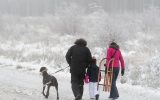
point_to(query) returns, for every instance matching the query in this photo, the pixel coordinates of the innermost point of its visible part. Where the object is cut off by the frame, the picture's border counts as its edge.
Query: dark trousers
(114, 91)
(77, 84)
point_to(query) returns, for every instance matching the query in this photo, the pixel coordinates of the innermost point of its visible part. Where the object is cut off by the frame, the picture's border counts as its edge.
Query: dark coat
(78, 57)
(92, 72)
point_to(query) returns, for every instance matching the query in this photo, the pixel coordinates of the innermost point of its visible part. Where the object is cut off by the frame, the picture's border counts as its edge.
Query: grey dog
(48, 80)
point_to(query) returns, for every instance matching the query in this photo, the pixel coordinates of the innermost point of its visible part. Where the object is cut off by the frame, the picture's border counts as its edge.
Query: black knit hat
(94, 60)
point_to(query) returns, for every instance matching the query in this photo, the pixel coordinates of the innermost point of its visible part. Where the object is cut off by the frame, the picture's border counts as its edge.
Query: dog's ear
(42, 69)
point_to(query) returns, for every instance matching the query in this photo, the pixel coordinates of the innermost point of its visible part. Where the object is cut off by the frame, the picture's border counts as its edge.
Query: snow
(18, 84)
(34, 38)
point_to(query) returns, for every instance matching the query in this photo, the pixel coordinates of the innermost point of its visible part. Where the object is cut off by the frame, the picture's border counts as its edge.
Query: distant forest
(42, 7)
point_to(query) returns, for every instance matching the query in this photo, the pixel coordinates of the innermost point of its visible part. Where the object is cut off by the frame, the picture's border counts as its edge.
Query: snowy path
(25, 85)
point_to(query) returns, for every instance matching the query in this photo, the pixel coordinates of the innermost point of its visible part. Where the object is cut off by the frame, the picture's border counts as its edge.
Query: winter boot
(97, 97)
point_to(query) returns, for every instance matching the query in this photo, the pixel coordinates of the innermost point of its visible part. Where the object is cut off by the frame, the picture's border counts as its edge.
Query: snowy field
(27, 85)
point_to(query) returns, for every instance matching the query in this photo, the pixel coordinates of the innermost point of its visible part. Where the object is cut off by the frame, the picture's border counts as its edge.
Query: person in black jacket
(78, 57)
(92, 72)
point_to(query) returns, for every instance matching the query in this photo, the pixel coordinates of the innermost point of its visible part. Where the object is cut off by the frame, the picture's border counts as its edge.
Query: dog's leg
(57, 92)
(48, 91)
(43, 90)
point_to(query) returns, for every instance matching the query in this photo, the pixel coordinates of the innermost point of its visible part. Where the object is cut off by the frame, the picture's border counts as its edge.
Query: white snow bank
(25, 85)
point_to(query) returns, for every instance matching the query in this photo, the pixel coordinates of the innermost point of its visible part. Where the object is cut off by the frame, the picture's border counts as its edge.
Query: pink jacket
(118, 58)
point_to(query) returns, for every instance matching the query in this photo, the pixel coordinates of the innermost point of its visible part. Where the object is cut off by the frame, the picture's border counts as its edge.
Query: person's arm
(89, 57)
(121, 60)
(87, 75)
(88, 71)
(122, 64)
(69, 56)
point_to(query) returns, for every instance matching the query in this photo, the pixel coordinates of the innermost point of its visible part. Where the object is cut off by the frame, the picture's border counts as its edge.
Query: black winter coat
(92, 72)
(78, 57)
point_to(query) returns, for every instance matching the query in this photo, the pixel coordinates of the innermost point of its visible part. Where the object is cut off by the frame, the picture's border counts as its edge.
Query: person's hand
(122, 72)
(86, 80)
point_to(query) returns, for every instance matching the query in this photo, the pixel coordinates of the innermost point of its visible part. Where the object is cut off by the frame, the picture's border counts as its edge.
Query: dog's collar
(44, 70)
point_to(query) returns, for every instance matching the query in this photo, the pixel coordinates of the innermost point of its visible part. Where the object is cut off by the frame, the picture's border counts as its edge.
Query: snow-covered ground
(19, 84)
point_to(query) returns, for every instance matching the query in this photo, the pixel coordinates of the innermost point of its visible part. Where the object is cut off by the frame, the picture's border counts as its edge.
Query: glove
(122, 72)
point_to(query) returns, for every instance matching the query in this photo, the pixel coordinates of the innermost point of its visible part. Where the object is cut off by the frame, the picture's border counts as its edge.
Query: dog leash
(60, 70)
